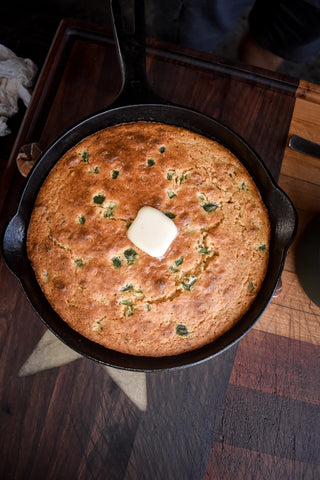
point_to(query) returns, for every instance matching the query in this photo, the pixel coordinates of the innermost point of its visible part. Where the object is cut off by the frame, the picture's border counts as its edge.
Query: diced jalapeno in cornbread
(94, 170)
(209, 207)
(99, 199)
(129, 311)
(130, 255)
(170, 174)
(187, 285)
(85, 155)
(179, 261)
(109, 212)
(115, 174)
(181, 330)
(171, 194)
(126, 302)
(181, 178)
(170, 215)
(79, 262)
(204, 250)
(127, 288)
(116, 261)
(174, 269)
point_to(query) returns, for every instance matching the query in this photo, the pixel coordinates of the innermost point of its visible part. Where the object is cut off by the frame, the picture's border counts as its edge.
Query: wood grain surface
(252, 412)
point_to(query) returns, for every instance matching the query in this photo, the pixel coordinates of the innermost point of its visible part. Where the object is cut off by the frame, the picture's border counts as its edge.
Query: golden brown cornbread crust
(117, 295)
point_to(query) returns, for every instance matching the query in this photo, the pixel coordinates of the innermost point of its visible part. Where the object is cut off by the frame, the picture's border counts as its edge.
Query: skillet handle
(131, 51)
(13, 244)
(287, 218)
(28, 155)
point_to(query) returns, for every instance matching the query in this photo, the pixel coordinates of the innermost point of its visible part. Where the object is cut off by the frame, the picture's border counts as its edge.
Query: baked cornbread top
(115, 294)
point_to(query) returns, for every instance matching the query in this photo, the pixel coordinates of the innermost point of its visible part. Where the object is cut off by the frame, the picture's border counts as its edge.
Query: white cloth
(16, 78)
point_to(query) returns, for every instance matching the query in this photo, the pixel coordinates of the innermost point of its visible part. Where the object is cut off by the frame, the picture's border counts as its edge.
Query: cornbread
(111, 292)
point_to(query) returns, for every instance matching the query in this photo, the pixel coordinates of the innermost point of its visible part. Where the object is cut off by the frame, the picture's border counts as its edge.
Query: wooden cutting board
(252, 412)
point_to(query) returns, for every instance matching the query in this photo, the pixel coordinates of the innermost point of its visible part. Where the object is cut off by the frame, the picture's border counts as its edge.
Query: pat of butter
(152, 231)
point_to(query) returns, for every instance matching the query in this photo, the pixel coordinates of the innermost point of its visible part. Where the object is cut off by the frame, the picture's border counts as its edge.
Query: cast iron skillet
(137, 102)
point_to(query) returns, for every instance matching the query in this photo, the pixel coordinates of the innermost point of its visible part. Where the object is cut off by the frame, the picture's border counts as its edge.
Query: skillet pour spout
(137, 102)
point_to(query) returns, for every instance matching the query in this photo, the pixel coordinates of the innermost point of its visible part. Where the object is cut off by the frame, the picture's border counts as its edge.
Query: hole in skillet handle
(27, 156)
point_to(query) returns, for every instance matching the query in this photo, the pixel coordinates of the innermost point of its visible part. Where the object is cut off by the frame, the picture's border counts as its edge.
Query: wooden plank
(16, 340)
(307, 111)
(86, 66)
(175, 434)
(270, 424)
(227, 462)
(279, 366)
(290, 323)
(308, 91)
(300, 166)
(305, 123)
(74, 435)
(294, 297)
(304, 195)
(304, 128)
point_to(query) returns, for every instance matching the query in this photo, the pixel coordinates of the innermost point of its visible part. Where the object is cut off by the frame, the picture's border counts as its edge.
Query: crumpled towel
(16, 78)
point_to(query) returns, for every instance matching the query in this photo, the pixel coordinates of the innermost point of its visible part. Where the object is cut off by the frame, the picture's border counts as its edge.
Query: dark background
(27, 27)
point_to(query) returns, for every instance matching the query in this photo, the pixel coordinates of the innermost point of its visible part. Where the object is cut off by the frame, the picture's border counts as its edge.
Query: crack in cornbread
(115, 294)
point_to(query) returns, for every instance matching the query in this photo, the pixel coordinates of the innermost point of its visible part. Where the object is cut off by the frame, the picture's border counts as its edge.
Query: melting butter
(152, 231)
